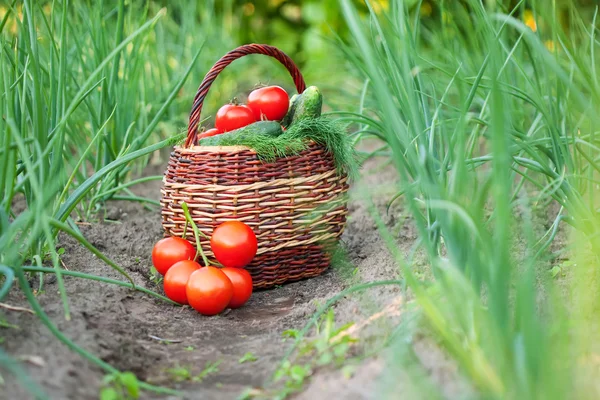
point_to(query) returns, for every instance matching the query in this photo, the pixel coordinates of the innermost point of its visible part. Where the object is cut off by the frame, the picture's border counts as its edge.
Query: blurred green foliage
(76, 112)
(305, 29)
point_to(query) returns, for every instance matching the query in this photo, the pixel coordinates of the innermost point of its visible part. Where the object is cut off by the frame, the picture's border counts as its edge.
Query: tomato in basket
(233, 116)
(209, 133)
(270, 102)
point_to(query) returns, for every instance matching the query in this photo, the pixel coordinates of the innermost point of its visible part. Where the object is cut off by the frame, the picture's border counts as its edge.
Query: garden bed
(125, 328)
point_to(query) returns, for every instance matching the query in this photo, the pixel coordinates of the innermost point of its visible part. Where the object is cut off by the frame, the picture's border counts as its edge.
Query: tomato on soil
(231, 117)
(234, 244)
(270, 102)
(176, 280)
(242, 286)
(209, 133)
(170, 250)
(209, 290)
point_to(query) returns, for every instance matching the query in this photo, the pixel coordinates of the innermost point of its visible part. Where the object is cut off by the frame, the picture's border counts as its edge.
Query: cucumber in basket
(309, 105)
(268, 128)
(294, 100)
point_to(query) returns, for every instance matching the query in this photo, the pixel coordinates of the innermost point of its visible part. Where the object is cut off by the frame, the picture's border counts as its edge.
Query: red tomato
(234, 244)
(231, 116)
(170, 250)
(209, 133)
(270, 102)
(242, 286)
(209, 290)
(177, 278)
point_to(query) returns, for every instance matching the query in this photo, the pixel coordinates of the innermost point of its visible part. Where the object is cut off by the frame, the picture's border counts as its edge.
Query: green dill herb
(328, 133)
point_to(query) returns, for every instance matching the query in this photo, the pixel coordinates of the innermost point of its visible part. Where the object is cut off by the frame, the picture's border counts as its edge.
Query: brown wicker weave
(295, 205)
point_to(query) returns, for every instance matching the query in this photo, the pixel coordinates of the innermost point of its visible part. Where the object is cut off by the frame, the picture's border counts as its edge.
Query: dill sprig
(324, 131)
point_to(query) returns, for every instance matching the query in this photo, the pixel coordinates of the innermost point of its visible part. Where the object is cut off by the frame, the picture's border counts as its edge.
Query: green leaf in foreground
(79, 193)
(248, 357)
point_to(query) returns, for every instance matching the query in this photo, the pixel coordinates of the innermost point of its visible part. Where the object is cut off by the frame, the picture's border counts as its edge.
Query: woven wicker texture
(296, 206)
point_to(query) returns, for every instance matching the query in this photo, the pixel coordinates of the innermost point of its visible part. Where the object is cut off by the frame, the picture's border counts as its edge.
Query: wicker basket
(295, 205)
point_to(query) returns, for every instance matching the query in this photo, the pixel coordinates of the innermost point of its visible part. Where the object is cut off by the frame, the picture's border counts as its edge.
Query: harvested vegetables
(234, 244)
(233, 116)
(209, 133)
(287, 119)
(270, 103)
(242, 286)
(305, 124)
(274, 126)
(208, 289)
(170, 250)
(309, 105)
(176, 279)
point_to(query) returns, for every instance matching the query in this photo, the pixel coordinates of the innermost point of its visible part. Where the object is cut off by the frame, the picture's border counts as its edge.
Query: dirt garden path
(117, 324)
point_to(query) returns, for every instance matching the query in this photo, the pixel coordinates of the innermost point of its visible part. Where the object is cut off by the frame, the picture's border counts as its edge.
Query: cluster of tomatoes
(268, 103)
(208, 289)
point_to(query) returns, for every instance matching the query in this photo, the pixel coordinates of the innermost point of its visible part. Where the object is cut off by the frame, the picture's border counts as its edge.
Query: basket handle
(220, 66)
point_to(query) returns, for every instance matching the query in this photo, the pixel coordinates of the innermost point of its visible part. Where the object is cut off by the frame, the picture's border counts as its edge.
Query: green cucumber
(310, 104)
(267, 128)
(294, 100)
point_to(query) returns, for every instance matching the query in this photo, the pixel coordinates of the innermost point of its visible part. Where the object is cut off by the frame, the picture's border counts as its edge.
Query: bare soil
(118, 324)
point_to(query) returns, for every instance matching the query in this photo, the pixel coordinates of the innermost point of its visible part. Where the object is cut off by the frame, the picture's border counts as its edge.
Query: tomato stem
(204, 235)
(189, 219)
(83, 275)
(184, 235)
